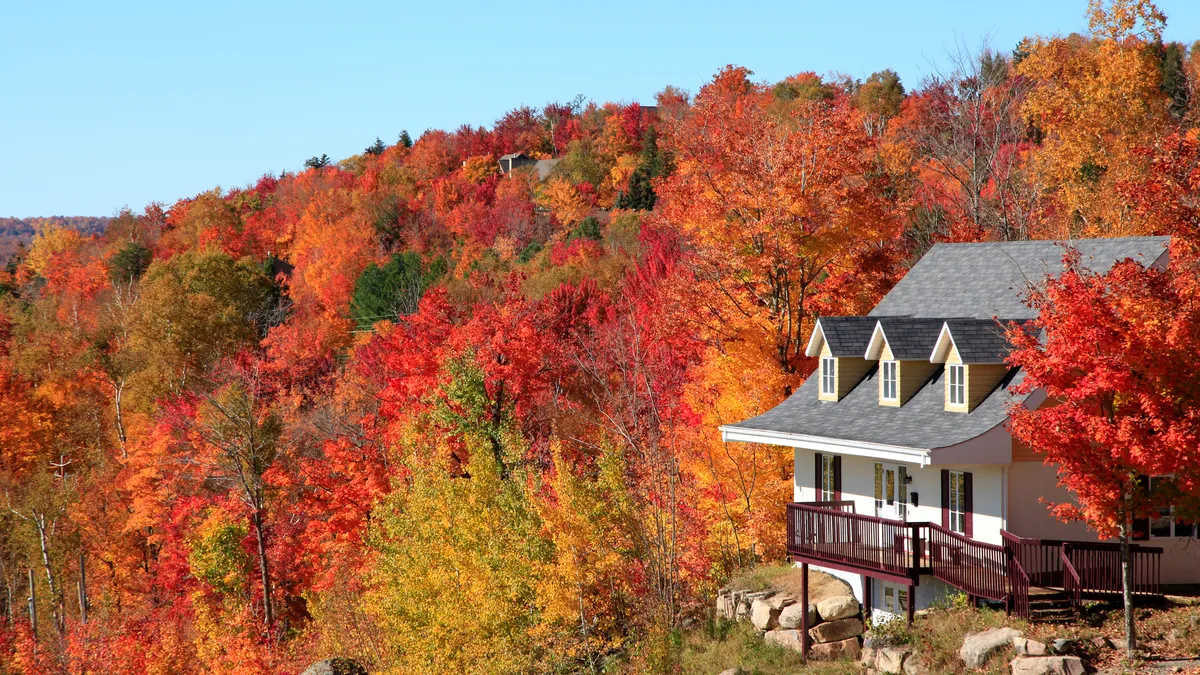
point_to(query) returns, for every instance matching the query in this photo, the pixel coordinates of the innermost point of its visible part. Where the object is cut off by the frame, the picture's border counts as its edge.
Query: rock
(836, 631)
(742, 613)
(838, 607)
(868, 657)
(783, 637)
(1100, 642)
(1026, 647)
(1063, 646)
(1174, 635)
(840, 649)
(733, 671)
(335, 666)
(1119, 643)
(977, 649)
(763, 616)
(781, 600)
(790, 616)
(891, 659)
(914, 665)
(726, 606)
(1047, 665)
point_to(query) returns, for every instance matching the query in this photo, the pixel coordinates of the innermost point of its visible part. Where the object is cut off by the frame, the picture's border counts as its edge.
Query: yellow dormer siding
(911, 376)
(847, 373)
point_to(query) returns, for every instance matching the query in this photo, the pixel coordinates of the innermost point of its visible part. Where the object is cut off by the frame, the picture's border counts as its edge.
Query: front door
(891, 491)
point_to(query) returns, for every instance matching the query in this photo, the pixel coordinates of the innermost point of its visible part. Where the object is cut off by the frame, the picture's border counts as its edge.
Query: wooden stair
(1050, 605)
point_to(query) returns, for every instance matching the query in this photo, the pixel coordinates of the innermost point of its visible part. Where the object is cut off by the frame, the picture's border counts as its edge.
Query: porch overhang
(881, 451)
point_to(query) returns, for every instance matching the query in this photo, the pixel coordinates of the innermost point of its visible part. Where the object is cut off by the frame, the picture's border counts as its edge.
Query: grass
(723, 644)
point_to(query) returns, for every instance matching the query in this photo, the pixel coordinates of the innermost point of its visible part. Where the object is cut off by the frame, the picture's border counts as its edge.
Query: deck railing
(863, 542)
(972, 566)
(830, 532)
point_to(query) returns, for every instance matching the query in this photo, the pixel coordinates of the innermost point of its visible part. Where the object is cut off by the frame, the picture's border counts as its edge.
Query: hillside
(17, 232)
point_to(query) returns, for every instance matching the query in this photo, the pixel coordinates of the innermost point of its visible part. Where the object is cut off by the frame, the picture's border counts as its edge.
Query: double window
(957, 384)
(829, 375)
(891, 380)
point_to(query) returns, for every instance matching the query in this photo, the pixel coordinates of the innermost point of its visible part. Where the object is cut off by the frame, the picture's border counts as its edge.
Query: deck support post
(868, 585)
(804, 639)
(912, 603)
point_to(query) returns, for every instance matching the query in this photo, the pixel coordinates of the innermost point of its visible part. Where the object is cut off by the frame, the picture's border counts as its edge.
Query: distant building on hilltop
(519, 160)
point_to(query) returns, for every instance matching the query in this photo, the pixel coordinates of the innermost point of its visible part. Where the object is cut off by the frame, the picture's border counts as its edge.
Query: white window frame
(890, 380)
(1168, 513)
(828, 481)
(829, 376)
(956, 377)
(957, 500)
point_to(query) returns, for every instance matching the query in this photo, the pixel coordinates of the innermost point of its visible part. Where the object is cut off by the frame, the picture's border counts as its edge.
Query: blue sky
(110, 104)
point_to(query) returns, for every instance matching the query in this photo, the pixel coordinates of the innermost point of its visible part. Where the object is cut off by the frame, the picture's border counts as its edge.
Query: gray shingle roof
(910, 339)
(952, 281)
(980, 340)
(988, 279)
(921, 423)
(847, 335)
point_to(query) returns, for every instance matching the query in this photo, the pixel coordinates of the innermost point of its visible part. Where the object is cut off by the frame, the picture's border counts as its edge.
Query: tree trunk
(263, 567)
(1127, 590)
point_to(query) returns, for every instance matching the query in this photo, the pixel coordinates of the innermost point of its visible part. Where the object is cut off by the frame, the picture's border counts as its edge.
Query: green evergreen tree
(393, 290)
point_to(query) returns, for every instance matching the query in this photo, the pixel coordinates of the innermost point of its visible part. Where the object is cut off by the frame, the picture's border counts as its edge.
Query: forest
(435, 416)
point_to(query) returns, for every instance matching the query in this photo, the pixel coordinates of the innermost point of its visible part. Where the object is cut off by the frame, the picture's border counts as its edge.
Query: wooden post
(83, 596)
(32, 605)
(804, 639)
(868, 588)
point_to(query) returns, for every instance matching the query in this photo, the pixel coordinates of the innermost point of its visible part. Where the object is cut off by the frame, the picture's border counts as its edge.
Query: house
(519, 160)
(907, 483)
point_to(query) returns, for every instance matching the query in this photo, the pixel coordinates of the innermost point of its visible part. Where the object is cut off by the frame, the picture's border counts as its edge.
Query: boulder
(840, 649)
(1063, 646)
(733, 671)
(783, 637)
(836, 631)
(1101, 642)
(742, 610)
(725, 606)
(1047, 665)
(781, 600)
(763, 616)
(891, 659)
(914, 665)
(838, 607)
(335, 666)
(978, 648)
(1025, 647)
(790, 616)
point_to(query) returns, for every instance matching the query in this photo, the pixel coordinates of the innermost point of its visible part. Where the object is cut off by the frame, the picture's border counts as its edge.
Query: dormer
(838, 342)
(973, 352)
(901, 345)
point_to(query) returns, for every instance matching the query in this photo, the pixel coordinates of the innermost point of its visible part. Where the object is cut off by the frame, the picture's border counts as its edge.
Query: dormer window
(890, 380)
(956, 391)
(829, 376)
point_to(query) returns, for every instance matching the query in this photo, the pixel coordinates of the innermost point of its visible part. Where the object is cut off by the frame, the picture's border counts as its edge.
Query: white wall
(1031, 518)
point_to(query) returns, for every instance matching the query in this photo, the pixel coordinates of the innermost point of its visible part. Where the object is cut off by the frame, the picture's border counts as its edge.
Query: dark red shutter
(837, 478)
(820, 479)
(945, 498)
(968, 504)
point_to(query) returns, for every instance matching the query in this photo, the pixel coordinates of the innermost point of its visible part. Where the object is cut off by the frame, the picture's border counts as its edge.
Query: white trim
(875, 346)
(814, 347)
(891, 453)
(885, 381)
(829, 378)
(941, 348)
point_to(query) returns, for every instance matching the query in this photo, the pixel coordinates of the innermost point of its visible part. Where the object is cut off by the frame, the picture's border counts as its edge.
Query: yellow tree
(1096, 99)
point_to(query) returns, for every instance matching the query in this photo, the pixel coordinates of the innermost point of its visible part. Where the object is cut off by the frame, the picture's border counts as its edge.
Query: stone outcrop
(840, 649)
(838, 607)
(978, 648)
(1047, 665)
(763, 616)
(783, 638)
(1026, 647)
(836, 631)
(792, 615)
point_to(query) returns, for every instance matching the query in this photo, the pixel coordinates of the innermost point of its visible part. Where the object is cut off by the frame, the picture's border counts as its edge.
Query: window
(829, 375)
(895, 599)
(891, 372)
(957, 383)
(958, 502)
(1163, 523)
(891, 491)
(828, 479)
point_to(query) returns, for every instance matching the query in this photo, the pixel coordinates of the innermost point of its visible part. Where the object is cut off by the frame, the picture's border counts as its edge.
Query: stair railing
(1018, 586)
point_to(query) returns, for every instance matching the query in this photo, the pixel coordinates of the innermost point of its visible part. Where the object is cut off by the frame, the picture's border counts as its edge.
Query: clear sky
(106, 104)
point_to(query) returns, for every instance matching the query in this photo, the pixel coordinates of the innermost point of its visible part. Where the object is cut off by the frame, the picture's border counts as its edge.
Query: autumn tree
(1117, 364)
(777, 188)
